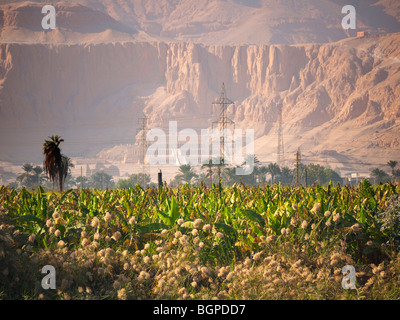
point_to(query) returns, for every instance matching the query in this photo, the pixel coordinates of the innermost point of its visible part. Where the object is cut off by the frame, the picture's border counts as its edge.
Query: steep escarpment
(342, 96)
(75, 23)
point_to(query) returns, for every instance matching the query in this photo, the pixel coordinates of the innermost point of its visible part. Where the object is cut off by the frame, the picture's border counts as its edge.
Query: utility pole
(159, 179)
(280, 151)
(305, 172)
(142, 130)
(223, 102)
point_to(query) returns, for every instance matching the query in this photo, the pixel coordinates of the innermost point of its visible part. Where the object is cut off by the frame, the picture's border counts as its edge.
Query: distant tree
(31, 177)
(380, 176)
(69, 180)
(25, 179)
(38, 175)
(13, 185)
(251, 158)
(186, 174)
(143, 179)
(202, 178)
(273, 170)
(229, 176)
(396, 173)
(82, 181)
(286, 176)
(101, 180)
(125, 184)
(392, 164)
(317, 174)
(54, 165)
(262, 172)
(251, 162)
(133, 180)
(208, 166)
(67, 163)
(331, 175)
(219, 165)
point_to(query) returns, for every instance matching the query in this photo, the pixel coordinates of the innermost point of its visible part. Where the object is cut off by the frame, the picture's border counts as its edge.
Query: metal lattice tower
(280, 151)
(223, 102)
(142, 142)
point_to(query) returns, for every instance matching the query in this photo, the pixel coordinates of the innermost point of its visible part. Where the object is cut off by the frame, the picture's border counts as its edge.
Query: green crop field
(194, 242)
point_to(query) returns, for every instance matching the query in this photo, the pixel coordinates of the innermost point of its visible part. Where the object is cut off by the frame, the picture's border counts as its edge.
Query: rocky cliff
(342, 96)
(340, 100)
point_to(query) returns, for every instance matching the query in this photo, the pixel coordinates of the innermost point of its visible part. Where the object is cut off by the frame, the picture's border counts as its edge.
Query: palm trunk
(60, 180)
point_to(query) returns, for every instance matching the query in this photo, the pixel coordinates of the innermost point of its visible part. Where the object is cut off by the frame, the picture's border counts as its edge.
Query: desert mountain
(217, 22)
(109, 63)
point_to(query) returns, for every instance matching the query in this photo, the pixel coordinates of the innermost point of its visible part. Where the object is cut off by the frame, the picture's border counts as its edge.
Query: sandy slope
(109, 63)
(229, 22)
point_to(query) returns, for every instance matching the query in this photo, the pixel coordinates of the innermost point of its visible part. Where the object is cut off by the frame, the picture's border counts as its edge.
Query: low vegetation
(240, 242)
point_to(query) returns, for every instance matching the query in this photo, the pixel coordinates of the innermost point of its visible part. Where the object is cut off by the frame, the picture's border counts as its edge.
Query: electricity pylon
(223, 102)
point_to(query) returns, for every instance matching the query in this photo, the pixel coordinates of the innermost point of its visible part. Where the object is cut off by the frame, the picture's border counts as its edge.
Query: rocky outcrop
(75, 23)
(341, 96)
(95, 93)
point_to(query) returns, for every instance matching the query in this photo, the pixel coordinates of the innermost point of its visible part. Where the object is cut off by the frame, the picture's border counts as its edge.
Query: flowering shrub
(199, 243)
(390, 220)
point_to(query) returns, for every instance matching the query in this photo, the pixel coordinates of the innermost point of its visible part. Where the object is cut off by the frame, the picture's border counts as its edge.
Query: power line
(305, 159)
(223, 102)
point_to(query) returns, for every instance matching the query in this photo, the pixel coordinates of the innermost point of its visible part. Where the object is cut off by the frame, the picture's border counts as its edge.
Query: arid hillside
(217, 22)
(341, 100)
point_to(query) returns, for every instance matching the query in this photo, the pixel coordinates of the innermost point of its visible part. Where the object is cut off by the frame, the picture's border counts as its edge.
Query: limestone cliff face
(343, 96)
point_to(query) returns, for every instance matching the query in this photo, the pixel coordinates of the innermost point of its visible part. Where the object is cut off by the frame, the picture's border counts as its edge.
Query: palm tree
(38, 176)
(379, 176)
(25, 178)
(101, 180)
(251, 158)
(67, 163)
(262, 172)
(229, 176)
(251, 161)
(27, 167)
(219, 164)
(31, 177)
(286, 176)
(82, 181)
(208, 165)
(186, 173)
(54, 165)
(273, 169)
(202, 178)
(392, 164)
